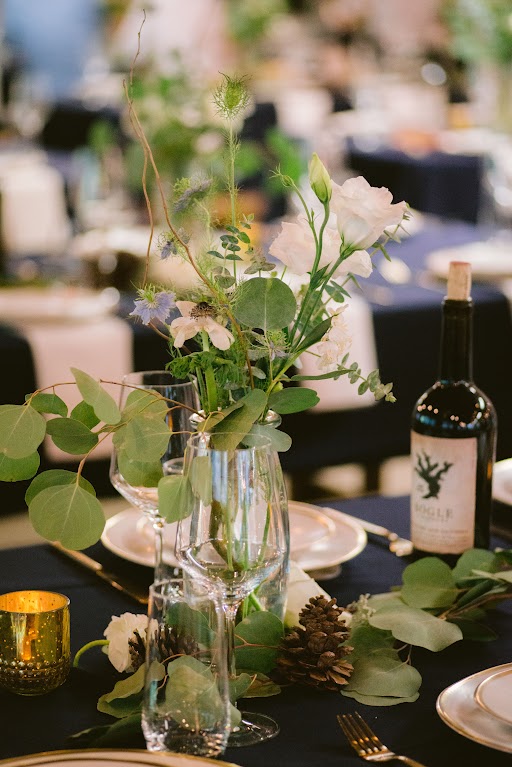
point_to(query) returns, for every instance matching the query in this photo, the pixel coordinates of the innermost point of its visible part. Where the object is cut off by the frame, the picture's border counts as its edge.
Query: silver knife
(131, 589)
(399, 546)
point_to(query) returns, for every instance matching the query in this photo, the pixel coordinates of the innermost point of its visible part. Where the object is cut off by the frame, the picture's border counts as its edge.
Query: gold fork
(366, 744)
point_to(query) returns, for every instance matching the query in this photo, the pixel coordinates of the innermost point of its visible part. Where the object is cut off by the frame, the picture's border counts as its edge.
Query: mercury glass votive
(34, 641)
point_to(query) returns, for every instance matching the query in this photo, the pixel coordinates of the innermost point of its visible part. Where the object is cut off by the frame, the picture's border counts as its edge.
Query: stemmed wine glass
(236, 535)
(183, 402)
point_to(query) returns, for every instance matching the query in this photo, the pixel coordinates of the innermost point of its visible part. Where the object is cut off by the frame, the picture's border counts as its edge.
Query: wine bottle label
(443, 493)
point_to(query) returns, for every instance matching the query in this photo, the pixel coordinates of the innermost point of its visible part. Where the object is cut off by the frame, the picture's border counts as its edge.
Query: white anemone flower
(194, 319)
(334, 344)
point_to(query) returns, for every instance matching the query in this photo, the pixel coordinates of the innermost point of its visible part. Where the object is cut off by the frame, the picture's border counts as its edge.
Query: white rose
(363, 212)
(294, 246)
(118, 632)
(300, 589)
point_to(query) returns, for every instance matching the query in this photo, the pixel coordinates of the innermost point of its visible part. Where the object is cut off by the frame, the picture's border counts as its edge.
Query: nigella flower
(194, 319)
(197, 190)
(153, 306)
(169, 245)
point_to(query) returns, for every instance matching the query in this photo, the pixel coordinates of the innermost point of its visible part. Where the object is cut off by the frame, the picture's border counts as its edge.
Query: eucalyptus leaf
(475, 559)
(124, 733)
(84, 413)
(266, 303)
(175, 498)
(239, 686)
(366, 639)
(200, 476)
(191, 694)
(15, 469)
(379, 700)
(262, 687)
(240, 421)
(293, 399)
(54, 478)
(71, 436)
(44, 402)
(139, 473)
(126, 697)
(384, 674)
(189, 621)
(476, 632)
(257, 639)
(146, 436)
(417, 627)
(69, 514)
(22, 429)
(145, 401)
(279, 440)
(95, 395)
(428, 583)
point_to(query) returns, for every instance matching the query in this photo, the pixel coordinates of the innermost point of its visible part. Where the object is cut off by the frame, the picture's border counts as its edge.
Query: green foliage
(175, 498)
(85, 414)
(68, 514)
(96, 396)
(239, 421)
(15, 469)
(47, 403)
(139, 473)
(257, 638)
(266, 303)
(22, 429)
(126, 697)
(438, 591)
(293, 400)
(417, 627)
(71, 436)
(55, 478)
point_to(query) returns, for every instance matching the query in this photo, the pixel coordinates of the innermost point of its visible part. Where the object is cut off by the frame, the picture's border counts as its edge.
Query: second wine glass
(235, 537)
(183, 401)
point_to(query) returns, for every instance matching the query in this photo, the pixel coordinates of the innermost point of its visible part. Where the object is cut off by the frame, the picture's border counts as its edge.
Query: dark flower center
(202, 309)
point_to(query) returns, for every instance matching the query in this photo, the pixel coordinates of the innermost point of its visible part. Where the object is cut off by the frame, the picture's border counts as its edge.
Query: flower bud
(319, 179)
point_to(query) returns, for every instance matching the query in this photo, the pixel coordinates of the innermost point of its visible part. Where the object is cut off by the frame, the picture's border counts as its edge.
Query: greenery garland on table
(434, 607)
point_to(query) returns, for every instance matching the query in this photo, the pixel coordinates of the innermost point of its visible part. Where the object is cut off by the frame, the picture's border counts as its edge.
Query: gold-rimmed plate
(494, 694)
(111, 757)
(457, 707)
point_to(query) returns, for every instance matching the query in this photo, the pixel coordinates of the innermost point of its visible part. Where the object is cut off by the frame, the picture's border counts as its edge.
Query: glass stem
(160, 567)
(230, 610)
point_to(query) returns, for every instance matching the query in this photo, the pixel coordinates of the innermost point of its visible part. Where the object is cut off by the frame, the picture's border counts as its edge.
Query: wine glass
(236, 535)
(183, 401)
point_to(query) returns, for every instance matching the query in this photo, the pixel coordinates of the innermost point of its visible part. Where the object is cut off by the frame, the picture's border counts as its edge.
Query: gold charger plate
(457, 707)
(109, 757)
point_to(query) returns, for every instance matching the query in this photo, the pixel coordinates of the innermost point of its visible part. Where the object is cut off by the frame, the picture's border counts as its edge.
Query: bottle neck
(456, 362)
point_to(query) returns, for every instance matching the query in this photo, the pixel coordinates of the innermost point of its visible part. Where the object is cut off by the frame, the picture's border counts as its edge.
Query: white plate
(53, 304)
(109, 757)
(494, 694)
(337, 537)
(457, 707)
(502, 481)
(489, 261)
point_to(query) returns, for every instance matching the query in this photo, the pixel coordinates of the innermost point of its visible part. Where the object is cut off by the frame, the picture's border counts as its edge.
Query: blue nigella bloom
(155, 306)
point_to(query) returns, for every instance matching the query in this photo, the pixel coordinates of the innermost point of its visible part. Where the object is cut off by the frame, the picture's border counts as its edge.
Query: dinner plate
(489, 261)
(494, 694)
(112, 756)
(502, 481)
(457, 707)
(54, 304)
(334, 537)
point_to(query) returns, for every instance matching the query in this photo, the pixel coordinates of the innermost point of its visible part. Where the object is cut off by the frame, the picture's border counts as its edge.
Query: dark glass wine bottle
(453, 440)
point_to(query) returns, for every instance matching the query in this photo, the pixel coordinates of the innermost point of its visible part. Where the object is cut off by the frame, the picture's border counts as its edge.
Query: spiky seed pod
(313, 653)
(169, 641)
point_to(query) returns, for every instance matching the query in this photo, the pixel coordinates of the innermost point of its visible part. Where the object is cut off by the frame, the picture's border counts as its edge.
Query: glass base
(254, 728)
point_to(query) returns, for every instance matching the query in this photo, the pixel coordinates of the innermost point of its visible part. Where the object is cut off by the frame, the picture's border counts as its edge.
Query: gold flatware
(366, 744)
(133, 590)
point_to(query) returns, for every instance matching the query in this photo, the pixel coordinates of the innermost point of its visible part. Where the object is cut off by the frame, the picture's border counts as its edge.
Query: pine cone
(313, 655)
(170, 643)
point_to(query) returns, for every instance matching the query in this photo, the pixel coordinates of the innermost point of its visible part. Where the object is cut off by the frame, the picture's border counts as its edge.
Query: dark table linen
(309, 733)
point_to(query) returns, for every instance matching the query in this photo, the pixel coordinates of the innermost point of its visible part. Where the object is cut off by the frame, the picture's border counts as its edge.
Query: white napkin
(341, 394)
(34, 216)
(102, 348)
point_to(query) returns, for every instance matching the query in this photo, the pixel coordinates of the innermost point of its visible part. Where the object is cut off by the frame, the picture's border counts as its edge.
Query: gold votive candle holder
(34, 641)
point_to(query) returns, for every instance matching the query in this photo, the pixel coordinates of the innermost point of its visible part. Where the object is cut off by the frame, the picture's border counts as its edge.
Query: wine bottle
(453, 440)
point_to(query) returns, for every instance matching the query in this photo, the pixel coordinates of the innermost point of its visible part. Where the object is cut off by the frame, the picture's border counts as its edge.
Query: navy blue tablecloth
(309, 733)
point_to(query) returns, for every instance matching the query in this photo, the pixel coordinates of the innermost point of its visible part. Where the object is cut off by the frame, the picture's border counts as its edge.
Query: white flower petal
(220, 336)
(185, 307)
